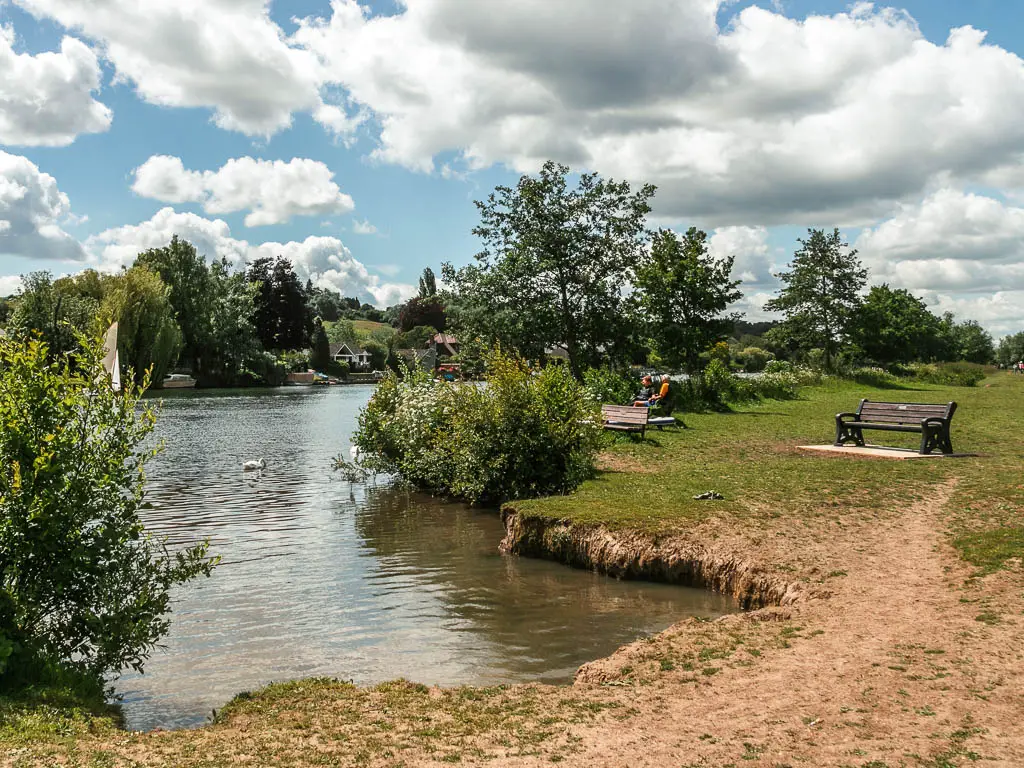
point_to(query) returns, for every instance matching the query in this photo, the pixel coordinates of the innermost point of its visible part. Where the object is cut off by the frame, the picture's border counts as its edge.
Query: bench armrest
(845, 415)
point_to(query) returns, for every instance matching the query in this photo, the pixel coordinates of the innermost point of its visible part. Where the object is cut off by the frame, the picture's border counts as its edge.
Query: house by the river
(358, 359)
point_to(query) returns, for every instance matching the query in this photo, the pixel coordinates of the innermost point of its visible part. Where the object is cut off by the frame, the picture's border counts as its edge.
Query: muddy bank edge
(626, 554)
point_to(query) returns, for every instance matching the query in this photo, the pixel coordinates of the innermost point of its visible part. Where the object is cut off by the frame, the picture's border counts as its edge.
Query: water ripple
(322, 577)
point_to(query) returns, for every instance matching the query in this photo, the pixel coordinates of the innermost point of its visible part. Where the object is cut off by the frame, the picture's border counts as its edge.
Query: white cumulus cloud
(225, 55)
(47, 99)
(9, 285)
(272, 190)
(324, 260)
(32, 209)
(770, 120)
(952, 241)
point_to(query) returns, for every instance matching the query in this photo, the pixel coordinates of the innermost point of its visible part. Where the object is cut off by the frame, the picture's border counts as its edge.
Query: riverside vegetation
(770, 490)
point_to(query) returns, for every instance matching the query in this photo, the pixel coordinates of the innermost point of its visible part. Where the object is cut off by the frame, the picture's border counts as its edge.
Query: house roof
(446, 341)
(336, 349)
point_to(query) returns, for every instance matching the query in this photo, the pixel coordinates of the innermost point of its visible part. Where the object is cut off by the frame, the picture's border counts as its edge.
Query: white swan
(250, 466)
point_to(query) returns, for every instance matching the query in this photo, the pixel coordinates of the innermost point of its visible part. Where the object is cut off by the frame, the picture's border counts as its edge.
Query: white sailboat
(111, 362)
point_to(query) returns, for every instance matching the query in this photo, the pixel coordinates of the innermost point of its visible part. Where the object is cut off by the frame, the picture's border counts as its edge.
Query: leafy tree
(187, 277)
(894, 326)
(1011, 349)
(428, 284)
(416, 338)
(55, 314)
(324, 302)
(379, 354)
(320, 356)
(972, 343)
(81, 582)
(422, 311)
(555, 264)
(234, 354)
(147, 334)
(342, 330)
(682, 293)
(283, 318)
(295, 321)
(820, 294)
(88, 284)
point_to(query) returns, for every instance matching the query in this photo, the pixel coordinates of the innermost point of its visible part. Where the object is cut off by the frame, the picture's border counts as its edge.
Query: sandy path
(893, 668)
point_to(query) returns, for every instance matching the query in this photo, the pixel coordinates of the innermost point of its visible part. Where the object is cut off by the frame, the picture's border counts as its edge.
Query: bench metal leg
(935, 438)
(845, 434)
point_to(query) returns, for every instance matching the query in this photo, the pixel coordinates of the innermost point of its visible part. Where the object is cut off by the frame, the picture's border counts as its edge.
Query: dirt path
(893, 668)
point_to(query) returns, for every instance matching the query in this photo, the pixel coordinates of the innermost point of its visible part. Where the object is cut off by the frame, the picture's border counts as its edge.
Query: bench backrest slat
(903, 413)
(624, 413)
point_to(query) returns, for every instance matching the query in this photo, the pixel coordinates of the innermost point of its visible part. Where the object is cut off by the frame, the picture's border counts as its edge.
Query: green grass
(57, 706)
(369, 326)
(990, 549)
(750, 457)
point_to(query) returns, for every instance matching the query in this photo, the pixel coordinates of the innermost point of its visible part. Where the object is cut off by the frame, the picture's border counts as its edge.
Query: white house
(357, 359)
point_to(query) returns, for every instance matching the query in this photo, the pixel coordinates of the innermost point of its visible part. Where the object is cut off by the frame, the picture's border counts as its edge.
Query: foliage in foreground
(522, 435)
(81, 583)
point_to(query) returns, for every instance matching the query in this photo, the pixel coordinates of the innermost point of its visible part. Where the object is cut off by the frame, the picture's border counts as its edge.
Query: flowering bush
(521, 435)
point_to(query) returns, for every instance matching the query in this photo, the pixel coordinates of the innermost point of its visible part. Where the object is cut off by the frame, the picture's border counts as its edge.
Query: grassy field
(369, 326)
(750, 456)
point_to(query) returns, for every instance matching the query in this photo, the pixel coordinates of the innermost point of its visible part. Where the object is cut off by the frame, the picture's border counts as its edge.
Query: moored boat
(179, 381)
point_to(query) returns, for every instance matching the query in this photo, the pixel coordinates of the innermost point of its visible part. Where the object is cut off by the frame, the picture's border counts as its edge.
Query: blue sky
(755, 124)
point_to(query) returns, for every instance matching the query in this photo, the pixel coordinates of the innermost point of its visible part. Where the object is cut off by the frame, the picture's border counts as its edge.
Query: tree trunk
(571, 342)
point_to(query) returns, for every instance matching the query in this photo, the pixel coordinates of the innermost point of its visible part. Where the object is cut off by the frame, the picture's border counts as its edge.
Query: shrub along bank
(522, 435)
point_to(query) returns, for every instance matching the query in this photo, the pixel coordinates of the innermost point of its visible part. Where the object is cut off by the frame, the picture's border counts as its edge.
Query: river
(363, 582)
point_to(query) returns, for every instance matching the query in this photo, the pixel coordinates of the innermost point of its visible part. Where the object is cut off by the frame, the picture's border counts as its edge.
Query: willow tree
(148, 337)
(820, 293)
(555, 264)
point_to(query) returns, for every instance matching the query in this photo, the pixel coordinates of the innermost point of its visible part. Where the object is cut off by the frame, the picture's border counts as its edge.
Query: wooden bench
(624, 418)
(931, 420)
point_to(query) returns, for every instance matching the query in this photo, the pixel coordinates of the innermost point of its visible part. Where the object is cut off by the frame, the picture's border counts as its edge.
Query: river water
(363, 582)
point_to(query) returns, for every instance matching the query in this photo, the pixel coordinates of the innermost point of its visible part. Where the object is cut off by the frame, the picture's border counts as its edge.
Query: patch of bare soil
(907, 662)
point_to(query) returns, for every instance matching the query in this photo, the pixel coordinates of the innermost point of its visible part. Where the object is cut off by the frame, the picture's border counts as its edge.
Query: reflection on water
(323, 577)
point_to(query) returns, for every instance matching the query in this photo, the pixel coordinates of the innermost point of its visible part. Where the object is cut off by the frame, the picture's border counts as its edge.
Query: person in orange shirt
(661, 398)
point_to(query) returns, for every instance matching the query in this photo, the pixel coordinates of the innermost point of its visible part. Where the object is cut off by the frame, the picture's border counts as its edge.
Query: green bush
(754, 359)
(608, 386)
(875, 377)
(338, 369)
(520, 436)
(949, 374)
(81, 582)
(295, 360)
(717, 386)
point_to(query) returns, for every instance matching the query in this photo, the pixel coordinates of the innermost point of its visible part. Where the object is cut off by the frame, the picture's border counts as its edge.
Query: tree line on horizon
(573, 269)
(578, 269)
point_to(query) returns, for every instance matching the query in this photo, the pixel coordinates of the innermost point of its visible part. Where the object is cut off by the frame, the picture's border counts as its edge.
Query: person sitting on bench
(645, 393)
(660, 399)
